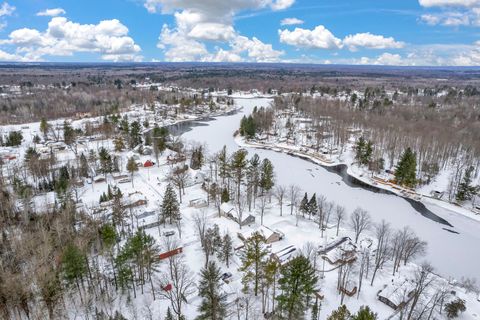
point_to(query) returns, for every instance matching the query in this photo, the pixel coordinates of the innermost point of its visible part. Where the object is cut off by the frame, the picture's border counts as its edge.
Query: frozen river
(451, 254)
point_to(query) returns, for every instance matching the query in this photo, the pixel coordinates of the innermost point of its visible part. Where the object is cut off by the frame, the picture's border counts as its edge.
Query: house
(147, 150)
(397, 294)
(229, 211)
(134, 200)
(268, 234)
(284, 255)
(148, 164)
(170, 253)
(99, 179)
(175, 158)
(342, 254)
(145, 214)
(198, 203)
(199, 177)
(437, 194)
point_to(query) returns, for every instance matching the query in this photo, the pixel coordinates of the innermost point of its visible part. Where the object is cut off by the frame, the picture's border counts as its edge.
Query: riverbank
(376, 184)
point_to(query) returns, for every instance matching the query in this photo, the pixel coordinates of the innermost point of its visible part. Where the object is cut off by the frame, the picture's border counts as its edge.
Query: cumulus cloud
(64, 38)
(371, 41)
(198, 22)
(322, 38)
(51, 12)
(214, 8)
(180, 47)
(453, 18)
(319, 38)
(291, 21)
(212, 31)
(6, 9)
(449, 3)
(281, 4)
(455, 12)
(256, 49)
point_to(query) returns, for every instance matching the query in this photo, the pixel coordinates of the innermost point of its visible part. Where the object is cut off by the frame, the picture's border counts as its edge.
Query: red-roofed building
(148, 163)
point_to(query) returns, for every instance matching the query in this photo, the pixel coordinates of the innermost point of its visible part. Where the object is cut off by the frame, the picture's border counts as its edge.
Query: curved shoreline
(342, 170)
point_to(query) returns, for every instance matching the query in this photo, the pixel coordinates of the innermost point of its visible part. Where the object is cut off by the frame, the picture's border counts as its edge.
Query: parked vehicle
(226, 276)
(168, 233)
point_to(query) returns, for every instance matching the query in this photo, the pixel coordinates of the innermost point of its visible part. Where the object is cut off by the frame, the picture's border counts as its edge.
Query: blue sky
(389, 32)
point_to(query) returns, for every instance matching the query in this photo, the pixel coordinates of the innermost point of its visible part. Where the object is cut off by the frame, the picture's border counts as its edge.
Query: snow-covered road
(452, 254)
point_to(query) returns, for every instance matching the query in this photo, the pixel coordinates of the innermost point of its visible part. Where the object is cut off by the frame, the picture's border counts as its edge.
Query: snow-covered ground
(453, 255)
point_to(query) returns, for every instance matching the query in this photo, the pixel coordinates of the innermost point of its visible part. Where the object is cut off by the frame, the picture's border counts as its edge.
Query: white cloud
(212, 31)
(178, 47)
(319, 38)
(291, 21)
(453, 19)
(223, 56)
(430, 19)
(6, 9)
(449, 3)
(322, 38)
(64, 38)
(201, 21)
(256, 49)
(455, 13)
(281, 4)
(371, 41)
(5, 56)
(214, 8)
(51, 12)
(390, 59)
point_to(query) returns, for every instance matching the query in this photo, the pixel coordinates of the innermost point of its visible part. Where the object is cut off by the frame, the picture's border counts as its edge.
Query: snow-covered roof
(397, 291)
(262, 230)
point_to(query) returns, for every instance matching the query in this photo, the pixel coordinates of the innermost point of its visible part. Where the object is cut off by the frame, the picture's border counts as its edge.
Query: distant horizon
(213, 63)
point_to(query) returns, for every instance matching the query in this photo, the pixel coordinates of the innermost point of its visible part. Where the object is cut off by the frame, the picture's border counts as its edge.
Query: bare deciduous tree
(359, 222)
(340, 215)
(279, 194)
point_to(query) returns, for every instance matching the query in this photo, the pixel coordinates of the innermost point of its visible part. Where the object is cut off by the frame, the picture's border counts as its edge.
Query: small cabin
(148, 164)
(397, 294)
(268, 234)
(229, 211)
(198, 203)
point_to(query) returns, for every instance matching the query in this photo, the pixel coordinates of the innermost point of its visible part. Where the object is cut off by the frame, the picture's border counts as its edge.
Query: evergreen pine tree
(170, 206)
(253, 261)
(44, 127)
(364, 314)
(213, 304)
(304, 205)
(267, 175)
(226, 250)
(297, 283)
(83, 170)
(312, 205)
(406, 171)
(341, 313)
(465, 189)
(367, 153)
(135, 134)
(73, 263)
(225, 197)
(132, 167)
(169, 315)
(315, 310)
(359, 147)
